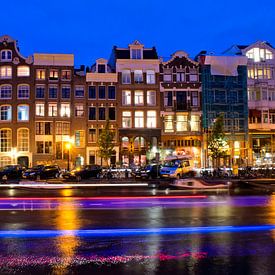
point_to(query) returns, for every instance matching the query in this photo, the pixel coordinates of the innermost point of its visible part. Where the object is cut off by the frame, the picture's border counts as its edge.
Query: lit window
(53, 75)
(258, 54)
(5, 72)
(23, 140)
(194, 99)
(79, 91)
(126, 119)
(150, 77)
(52, 111)
(6, 92)
(39, 109)
(40, 91)
(139, 119)
(23, 71)
(168, 124)
(5, 140)
(65, 110)
(23, 112)
(23, 91)
(138, 76)
(195, 123)
(5, 113)
(52, 92)
(136, 53)
(168, 98)
(125, 142)
(6, 55)
(79, 138)
(66, 92)
(139, 98)
(79, 110)
(126, 77)
(44, 147)
(151, 98)
(92, 135)
(62, 128)
(40, 74)
(182, 123)
(5, 160)
(43, 128)
(66, 75)
(151, 119)
(126, 98)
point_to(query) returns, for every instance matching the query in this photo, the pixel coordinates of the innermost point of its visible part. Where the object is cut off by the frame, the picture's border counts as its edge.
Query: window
(126, 98)
(43, 128)
(138, 76)
(167, 77)
(65, 110)
(92, 135)
(23, 71)
(139, 98)
(111, 92)
(79, 110)
(168, 124)
(5, 140)
(66, 92)
(23, 91)
(5, 113)
(136, 53)
(39, 109)
(194, 99)
(79, 91)
(66, 75)
(195, 123)
(180, 77)
(40, 74)
(23, 112)
(5, 72)
(150, 77)
(151, 98)
(259, 54)
(44, 147)
(181, 123)
(220, 96)
(193, 77)
(52, 109)
(5, 160)
(151, 119)
(126, 77)
(264, 93)
(6, 55)
(126, 119)
(53, 75)
(40, 91)
(101, 113)
(139, 119)
(168, 98)
(101, 92)
(62, 128)
(92, 92)
(101, 68)
(112, 113)
(52, 92)
(92, 113)
(79, 138)
(5, 92)
(23, 140)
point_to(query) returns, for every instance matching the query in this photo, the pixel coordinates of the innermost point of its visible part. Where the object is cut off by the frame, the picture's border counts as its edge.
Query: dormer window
(136, 53)
(6, 55)
(259, 54)
(101, 68)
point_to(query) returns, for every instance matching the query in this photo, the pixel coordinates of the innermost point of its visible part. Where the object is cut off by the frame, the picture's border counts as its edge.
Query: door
(23, 161)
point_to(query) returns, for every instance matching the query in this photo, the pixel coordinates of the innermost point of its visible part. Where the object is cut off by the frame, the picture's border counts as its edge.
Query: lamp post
(68, 147)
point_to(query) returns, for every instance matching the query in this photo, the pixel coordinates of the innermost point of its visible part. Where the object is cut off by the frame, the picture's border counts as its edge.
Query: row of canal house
(156, 107)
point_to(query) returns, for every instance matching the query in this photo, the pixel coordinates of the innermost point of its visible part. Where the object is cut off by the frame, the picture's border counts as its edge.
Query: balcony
(261, 126)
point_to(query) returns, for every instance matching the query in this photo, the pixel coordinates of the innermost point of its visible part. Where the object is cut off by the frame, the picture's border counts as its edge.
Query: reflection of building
(138, 96)
(180, 88)
(224, 91)
(261, 100)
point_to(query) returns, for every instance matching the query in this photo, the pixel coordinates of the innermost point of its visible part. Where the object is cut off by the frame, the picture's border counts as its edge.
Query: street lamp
(68, 146)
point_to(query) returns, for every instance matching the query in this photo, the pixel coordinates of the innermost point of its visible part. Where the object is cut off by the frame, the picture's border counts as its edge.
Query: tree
(217, 144)
(105, 142)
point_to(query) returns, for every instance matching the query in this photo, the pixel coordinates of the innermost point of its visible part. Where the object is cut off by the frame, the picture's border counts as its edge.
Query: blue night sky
(89, 28)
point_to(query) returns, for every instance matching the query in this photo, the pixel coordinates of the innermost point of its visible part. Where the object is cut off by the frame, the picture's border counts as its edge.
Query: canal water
(140, 235)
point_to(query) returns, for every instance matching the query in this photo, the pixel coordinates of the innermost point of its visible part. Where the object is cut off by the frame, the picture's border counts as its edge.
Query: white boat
(200, 184)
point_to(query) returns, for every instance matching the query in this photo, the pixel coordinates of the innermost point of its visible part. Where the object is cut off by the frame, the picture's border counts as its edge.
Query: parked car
(13, 171)
(148, 172)
(83, 172)
(42, 172)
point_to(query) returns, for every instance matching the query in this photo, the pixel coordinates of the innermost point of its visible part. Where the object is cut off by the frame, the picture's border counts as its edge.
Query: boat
(200, 184)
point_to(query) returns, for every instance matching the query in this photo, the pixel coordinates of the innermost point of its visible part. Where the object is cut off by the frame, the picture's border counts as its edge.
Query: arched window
(23, 139)
(6, 92)
(5, 113)
(125, 142)
(139, 142)
(5, 160)
(23, 91)
(6, 55)
(5, 140)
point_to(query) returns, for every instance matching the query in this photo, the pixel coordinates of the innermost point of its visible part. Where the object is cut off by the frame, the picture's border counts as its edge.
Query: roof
(121, 53)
